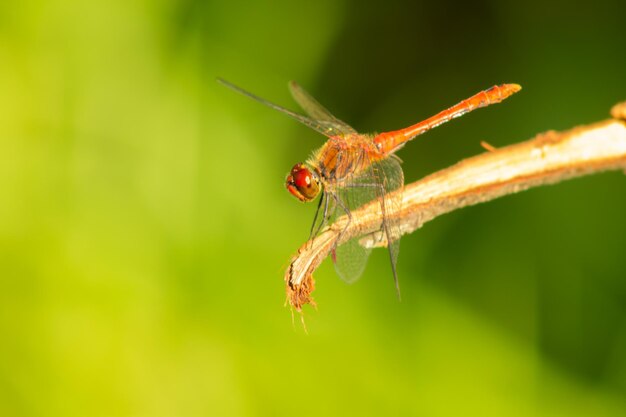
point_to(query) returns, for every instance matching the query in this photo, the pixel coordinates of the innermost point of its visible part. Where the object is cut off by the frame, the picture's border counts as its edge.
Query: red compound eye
(302, 183)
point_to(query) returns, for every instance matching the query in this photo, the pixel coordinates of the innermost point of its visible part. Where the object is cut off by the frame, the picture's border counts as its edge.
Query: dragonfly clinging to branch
(351, 169)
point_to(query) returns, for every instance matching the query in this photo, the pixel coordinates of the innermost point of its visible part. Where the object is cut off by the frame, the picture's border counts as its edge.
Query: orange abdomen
(390, 142)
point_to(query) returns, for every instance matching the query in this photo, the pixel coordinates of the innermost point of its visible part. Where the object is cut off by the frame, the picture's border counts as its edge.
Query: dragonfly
(352, 169)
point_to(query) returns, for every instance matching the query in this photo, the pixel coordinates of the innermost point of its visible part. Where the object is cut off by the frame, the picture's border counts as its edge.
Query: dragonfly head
(303, 183)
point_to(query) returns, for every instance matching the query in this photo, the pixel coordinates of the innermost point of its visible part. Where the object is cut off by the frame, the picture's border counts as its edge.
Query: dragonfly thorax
(303, 183)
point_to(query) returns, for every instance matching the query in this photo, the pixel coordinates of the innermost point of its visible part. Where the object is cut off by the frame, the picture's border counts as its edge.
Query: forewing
(318, 112)
(326, 128)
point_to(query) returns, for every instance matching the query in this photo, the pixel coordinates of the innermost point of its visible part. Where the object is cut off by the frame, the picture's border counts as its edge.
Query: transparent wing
(350, 258)
(318, 112)
(377, 182)
(326, 128)
(389, 174)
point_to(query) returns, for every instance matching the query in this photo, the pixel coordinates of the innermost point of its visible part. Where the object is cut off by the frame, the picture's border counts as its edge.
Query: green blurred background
(144, 225)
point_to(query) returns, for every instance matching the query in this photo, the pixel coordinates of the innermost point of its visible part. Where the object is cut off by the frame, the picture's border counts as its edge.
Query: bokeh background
(144, 227)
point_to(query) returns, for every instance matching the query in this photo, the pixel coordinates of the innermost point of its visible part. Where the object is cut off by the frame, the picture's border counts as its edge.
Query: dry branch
(548, 158)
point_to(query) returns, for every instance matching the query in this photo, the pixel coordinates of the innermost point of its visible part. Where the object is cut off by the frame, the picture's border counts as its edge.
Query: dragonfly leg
(347, 211)
(324, 220)
(314, 230)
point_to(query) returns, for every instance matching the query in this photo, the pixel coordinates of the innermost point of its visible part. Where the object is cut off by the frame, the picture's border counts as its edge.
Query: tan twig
(548, 158)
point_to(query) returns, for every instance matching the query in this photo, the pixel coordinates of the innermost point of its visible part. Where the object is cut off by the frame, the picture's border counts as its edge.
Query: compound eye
(302, 183)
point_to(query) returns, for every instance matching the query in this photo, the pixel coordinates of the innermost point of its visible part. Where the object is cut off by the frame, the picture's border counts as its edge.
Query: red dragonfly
(352, 169)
